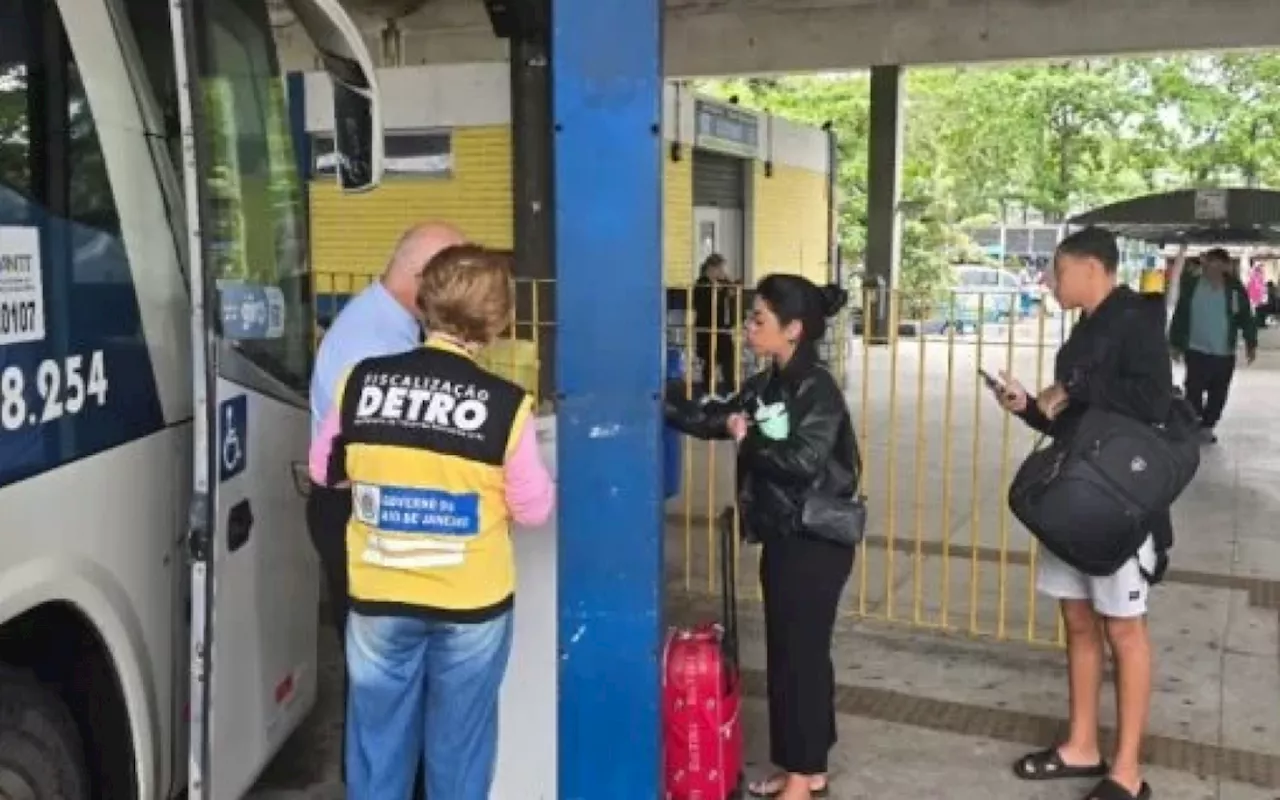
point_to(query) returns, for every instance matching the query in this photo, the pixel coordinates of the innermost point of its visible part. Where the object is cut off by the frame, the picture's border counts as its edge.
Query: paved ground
(940, 713)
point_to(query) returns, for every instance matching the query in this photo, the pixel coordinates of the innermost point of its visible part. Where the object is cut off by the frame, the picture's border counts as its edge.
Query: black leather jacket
(819, 455)
(1115, 358)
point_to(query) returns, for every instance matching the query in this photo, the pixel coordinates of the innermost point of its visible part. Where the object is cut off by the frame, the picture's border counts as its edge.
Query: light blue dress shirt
(371, 324)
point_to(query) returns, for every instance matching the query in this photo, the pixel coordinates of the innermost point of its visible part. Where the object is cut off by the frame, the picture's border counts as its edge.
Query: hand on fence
(737, 425)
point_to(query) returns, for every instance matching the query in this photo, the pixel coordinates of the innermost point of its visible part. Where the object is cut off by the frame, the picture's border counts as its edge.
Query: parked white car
(981, 294)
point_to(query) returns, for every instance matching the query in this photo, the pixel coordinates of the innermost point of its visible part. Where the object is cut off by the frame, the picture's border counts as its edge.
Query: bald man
(382, 320)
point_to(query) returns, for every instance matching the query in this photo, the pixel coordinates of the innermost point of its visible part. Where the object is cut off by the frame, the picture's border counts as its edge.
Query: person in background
(715, 300)
(382, 319)
(1160, 288)
(1115, 360)
(441, 457)
(1212, 314)
(795, 439)
(1270, 306)
(1257, 286)
(1179, 267)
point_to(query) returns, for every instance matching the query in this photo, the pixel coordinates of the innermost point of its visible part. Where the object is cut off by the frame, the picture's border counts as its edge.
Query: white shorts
(1119, 596)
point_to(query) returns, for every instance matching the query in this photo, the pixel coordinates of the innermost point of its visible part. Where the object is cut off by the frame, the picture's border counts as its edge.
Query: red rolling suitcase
(702, 698)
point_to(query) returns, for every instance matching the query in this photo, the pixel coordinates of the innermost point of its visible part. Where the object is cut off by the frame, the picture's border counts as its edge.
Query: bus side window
(149, 24)
(16, 185)
(75, 372)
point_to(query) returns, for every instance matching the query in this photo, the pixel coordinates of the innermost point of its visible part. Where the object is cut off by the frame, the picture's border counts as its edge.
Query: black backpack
(1088, 498)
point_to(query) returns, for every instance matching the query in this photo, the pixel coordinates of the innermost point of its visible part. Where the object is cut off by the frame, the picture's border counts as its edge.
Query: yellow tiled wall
(677, 221)
(789, 222)
(356, 233)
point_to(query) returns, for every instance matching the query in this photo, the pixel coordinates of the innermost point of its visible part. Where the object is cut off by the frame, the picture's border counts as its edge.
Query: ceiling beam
(751, 37)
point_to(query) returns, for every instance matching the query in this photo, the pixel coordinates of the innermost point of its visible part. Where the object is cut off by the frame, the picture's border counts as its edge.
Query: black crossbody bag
(838, 520)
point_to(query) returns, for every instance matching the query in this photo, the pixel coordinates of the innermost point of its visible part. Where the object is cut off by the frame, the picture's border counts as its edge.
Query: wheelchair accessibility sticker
(233, 430)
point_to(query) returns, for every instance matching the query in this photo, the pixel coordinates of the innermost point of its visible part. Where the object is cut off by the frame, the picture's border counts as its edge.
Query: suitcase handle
(729, 589)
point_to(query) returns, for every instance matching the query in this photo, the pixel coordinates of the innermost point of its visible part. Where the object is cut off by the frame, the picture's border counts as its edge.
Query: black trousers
(1262, 312)
(1207, 384)
(328, 511)
(802, 580)
(724, 359)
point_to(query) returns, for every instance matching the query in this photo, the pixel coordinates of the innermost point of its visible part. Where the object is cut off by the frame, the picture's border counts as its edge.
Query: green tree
(14, 130)
(985, 142)
(1222, 116)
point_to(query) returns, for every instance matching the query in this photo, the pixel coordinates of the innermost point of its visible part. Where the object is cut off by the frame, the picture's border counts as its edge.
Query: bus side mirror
(354, 142)
(358, 139)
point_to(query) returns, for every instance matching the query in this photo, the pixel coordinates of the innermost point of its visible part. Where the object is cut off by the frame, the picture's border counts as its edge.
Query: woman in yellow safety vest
(441, 457)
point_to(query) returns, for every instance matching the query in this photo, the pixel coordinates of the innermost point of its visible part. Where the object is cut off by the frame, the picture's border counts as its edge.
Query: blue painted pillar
(606, 68)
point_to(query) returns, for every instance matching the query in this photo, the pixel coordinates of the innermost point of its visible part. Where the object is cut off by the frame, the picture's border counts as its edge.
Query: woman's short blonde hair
(466, 291)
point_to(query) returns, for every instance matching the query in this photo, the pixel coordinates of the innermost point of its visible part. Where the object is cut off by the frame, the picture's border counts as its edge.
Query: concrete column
(606, 74)
(884, 190)
(533, 189)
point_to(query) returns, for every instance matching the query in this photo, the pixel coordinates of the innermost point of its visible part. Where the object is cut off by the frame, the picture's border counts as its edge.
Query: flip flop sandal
(772, 787)
(1047, 765)
(1108, 789)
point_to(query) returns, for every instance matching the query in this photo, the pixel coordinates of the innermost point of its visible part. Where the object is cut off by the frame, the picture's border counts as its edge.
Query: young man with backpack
(1115, 360)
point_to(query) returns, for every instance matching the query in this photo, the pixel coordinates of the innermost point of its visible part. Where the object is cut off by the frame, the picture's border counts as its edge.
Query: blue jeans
(429, 688)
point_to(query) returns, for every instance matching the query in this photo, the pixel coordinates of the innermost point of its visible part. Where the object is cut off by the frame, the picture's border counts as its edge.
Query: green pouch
(772, 421)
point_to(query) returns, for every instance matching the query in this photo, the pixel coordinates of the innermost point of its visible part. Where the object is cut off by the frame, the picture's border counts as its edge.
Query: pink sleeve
(531, 494)
(322, 448)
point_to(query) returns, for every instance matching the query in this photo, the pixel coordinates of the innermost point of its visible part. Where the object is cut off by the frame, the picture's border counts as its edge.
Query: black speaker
(519, 19)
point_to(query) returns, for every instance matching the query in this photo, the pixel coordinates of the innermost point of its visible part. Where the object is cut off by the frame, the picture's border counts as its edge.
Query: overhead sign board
(1211, 204)
(727, 129)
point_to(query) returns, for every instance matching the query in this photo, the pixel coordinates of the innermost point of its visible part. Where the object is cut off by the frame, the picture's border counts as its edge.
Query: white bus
(158, 596)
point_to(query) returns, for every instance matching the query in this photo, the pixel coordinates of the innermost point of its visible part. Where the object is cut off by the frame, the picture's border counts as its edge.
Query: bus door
(255, 585)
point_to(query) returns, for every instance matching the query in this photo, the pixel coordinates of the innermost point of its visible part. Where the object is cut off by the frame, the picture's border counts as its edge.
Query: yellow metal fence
(518, 355)
(942, 551)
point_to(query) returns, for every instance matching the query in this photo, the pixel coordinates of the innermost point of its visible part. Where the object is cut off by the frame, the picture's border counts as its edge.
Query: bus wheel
(41, 757)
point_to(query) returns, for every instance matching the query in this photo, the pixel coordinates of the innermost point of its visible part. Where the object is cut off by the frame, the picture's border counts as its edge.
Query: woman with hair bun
(795, 442)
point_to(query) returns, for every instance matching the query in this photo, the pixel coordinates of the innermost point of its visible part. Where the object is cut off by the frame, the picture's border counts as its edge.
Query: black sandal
(1108, 789)
(780, 781)
(1047, 765)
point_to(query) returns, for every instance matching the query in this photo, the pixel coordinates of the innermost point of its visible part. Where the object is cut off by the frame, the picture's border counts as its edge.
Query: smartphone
(993, 384)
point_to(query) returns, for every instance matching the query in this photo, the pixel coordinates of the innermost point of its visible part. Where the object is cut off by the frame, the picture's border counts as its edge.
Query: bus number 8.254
(63, 387)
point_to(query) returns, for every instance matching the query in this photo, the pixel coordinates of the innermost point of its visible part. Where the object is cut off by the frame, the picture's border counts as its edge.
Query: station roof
(1195, 216)
(703, 38)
